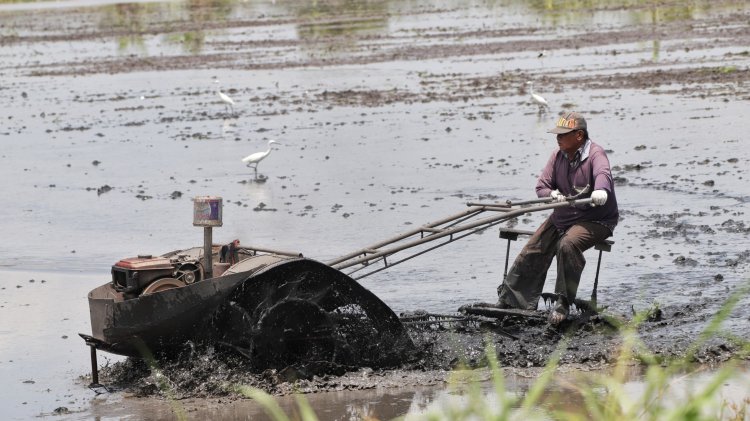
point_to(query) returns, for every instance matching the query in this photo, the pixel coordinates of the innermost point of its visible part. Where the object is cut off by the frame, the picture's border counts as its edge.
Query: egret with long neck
(255, 158)
(537, 99)
(226, 100)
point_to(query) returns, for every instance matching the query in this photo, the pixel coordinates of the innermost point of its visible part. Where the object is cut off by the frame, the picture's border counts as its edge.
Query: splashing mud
(439, 346)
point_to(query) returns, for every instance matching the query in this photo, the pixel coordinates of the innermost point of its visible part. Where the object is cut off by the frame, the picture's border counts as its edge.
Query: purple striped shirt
(593, 171)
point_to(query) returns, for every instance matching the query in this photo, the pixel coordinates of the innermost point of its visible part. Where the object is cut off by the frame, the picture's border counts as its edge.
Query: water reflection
(657, 15)
(228, 128)
(638, 12)
(133, 22)
(330, 26)
(127, 19)
(341, 17)
(556, 12)
(200, 13)
(317, 20)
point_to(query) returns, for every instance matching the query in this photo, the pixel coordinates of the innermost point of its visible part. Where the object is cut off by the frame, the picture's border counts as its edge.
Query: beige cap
(568, 122)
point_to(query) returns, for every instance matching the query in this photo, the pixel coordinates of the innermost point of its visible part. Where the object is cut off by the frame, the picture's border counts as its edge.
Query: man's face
(570, 142)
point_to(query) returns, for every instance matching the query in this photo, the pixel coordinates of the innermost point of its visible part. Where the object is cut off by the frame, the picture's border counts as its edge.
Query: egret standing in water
(254, 159)
(226, 100)
(537, 99)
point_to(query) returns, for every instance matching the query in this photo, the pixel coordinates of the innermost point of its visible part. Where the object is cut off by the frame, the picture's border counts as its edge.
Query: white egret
(226, 100)
(537, 99)
(254, 159)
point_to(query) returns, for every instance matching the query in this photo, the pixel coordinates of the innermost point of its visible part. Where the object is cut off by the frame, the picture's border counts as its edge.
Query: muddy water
(389, 115)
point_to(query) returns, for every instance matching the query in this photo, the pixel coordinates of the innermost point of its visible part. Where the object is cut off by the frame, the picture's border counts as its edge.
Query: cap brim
(560, 130)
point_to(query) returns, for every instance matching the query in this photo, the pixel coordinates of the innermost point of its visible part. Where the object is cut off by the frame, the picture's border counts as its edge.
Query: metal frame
(448, 227)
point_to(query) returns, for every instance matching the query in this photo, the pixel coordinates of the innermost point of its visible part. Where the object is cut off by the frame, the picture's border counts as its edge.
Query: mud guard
(300, 311)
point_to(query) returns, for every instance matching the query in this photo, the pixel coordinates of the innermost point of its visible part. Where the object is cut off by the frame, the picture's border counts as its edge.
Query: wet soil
(389, 115)
(523, 346)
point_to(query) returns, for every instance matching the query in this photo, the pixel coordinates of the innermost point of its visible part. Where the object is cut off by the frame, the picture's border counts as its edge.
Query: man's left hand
(598, 197)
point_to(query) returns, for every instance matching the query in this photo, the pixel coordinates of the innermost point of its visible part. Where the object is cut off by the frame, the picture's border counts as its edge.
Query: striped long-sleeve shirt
(590, 168)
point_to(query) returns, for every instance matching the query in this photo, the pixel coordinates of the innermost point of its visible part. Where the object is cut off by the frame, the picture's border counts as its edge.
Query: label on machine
(207, 211)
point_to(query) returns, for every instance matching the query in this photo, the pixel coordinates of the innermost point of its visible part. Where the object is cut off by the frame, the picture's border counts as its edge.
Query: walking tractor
(279, 308)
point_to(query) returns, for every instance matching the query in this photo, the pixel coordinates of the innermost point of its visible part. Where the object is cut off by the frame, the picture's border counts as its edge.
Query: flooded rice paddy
(389, 114)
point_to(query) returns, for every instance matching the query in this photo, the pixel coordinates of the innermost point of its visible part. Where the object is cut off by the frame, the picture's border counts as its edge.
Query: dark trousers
(525, 280)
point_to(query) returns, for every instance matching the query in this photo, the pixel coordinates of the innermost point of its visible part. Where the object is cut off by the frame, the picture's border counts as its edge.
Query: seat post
(511, 235)
(605, 245)
(507, 257)
(596, 279)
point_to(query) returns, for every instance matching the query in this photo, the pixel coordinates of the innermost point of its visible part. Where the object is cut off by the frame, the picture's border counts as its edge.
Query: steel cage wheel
(295, 331)
(302, 311)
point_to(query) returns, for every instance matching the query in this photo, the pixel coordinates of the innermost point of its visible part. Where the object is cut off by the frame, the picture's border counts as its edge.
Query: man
(579, 168)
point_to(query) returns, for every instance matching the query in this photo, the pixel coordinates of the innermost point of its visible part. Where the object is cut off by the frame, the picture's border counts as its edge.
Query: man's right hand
(557, 196)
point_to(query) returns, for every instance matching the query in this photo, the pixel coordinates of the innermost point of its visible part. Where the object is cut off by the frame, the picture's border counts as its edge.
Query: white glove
(557, 196)
(598, 197)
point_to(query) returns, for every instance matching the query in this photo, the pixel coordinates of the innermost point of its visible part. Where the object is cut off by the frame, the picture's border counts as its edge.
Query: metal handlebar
(432, 231)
